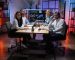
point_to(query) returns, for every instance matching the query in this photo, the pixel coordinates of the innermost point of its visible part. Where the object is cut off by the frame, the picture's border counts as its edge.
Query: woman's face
(48, 13)
(18, 16)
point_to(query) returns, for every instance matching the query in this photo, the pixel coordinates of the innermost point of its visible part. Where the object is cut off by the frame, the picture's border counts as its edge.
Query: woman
(48, 17)
(25, 16)
(20, 23)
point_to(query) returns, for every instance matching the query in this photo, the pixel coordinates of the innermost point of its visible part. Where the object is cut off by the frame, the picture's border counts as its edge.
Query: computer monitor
(36, 15)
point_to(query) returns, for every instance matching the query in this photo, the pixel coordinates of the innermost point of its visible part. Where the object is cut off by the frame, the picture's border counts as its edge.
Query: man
(48, 17)
(56, 30)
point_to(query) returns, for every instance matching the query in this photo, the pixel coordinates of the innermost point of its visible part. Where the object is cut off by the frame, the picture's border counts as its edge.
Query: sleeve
(50, 23)
(59, 27)
(47, 20)
(15, 24)
(27, 21)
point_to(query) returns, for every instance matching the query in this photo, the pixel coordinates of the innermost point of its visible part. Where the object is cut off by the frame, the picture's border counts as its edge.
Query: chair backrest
(8, 26)
(66, 28)
(9, 29)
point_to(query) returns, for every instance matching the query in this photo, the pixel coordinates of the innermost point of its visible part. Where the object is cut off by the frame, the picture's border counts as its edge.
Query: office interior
(35, 10)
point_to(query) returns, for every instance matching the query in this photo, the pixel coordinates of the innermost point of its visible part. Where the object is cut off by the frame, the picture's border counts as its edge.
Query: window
(49, 4)
(45, 4)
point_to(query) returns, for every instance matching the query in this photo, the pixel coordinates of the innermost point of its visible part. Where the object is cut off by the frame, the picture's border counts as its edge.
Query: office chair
(13, 34)
(55, 47)
(10, 34)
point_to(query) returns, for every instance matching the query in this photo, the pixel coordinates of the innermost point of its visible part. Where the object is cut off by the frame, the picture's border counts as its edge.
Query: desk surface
(37, 30)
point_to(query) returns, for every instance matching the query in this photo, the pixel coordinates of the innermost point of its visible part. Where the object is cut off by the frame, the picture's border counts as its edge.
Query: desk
(37, 30)
(28, 30)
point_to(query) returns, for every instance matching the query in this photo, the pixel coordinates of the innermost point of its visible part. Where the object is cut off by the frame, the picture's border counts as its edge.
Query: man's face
(56, 16)
(23, 13)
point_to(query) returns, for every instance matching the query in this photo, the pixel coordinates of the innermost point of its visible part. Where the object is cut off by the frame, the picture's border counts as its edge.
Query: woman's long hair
(19, 20)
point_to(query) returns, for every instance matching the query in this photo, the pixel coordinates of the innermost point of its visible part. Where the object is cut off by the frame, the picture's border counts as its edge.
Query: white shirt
(15, 23)
(26, 21)
(58, 26)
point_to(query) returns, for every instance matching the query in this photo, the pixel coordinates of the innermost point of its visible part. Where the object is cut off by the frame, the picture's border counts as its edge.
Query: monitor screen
(36, 15)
